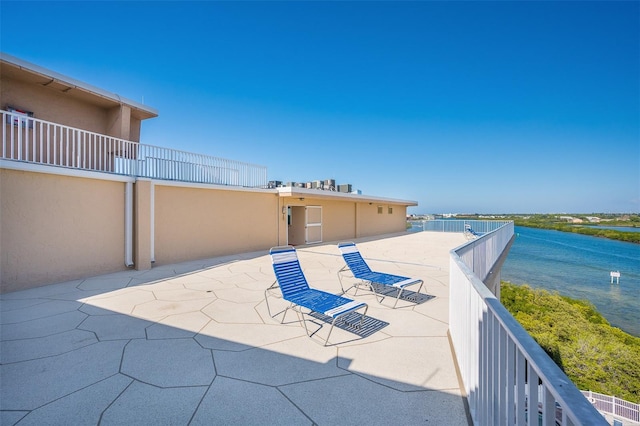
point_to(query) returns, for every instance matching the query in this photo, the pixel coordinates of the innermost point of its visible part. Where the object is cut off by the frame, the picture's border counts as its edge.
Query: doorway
(304, 225)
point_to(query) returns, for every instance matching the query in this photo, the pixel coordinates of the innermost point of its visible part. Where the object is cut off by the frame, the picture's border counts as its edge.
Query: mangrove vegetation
(592, 353)
(558, 224)
(578, 224)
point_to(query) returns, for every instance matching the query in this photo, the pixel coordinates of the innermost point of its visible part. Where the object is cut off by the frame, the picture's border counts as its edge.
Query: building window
(390, 210)
(379, 209)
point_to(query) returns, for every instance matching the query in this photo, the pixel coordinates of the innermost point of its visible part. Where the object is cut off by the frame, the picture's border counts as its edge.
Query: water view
(579, 266)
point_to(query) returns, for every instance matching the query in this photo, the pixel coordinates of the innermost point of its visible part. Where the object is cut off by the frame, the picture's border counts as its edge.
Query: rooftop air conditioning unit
(345, 187)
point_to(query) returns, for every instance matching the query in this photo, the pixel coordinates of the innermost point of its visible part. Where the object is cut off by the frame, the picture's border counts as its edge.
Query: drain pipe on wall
(152, 223)
(128, 224)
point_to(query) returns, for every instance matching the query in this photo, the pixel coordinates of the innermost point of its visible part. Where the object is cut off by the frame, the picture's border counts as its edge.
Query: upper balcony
(36, 141)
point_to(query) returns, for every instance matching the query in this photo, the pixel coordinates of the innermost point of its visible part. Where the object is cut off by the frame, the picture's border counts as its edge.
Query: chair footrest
(343, 309)
(407, 282)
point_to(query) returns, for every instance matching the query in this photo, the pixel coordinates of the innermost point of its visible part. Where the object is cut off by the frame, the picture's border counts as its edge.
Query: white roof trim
(289, 191)
(63, 171)
(75, 83)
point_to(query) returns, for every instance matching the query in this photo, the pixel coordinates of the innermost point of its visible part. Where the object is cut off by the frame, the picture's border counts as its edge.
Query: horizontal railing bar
(30, 139)
(533, 379)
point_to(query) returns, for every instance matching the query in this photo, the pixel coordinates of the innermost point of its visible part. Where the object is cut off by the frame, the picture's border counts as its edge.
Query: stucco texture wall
(58, 228)
(338, 219)
(51, 105)
(371, 222)
(347, 219)
(61, 108)
(197, 223)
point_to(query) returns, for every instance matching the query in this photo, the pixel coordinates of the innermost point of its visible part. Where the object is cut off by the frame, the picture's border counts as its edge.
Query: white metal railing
(498, 359)
(615, 406)
(37, 141)
(459, 225)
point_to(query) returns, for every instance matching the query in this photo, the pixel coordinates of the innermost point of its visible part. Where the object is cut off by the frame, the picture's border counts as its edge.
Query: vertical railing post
(510, 384)
(532, 396)
(23, 139)
(20, 139)
(501, 363)
(521, 387)
(4, 136)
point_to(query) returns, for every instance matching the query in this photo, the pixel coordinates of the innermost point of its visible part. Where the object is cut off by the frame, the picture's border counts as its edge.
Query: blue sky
(477, 107)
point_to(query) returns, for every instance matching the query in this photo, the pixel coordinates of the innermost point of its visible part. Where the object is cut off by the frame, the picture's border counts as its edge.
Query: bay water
(579, 266)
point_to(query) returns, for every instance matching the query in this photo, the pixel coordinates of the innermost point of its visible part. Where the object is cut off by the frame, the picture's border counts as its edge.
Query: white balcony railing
(617, 407)
(498, 359)
(459, 225)
(37, 141)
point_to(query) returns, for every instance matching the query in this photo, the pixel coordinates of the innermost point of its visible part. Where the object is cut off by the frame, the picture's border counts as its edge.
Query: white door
(313, 226)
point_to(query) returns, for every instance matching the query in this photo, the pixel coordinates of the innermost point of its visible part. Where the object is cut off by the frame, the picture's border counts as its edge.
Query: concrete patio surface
(193, 343)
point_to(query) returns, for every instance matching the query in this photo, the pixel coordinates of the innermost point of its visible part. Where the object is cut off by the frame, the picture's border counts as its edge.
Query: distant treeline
(554, 223)
(592, 353)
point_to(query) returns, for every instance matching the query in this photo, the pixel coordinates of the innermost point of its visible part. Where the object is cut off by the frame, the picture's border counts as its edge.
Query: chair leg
(398, 298)
(362, 317)
(375, 293)
(266, 300)
(402, 289)
(364, 314)
(330, 330)
(302, 320)
(266, 297)
(340, 272)
(418, 292)
(285, 314)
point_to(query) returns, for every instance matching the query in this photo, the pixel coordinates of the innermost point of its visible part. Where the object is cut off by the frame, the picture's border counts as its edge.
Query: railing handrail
(178, 151)
(34, 140)
(497, 357)
(619, 407)
(458, 225)
(51, 123)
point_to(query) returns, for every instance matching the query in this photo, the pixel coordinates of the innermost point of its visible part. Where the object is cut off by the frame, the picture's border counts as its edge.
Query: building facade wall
(373, 222)
(59, 223)
(56, 228)
(342, 219)
(58, 107)
(338, 220)
(196, 223)
(51, 105)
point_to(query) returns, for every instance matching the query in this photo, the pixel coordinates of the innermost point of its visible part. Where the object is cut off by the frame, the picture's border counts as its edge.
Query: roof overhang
(294, 192)
(21, 70)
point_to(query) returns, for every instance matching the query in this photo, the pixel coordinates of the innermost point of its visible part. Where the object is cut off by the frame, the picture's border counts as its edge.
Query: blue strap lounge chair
(295, 289)
(368, 278)
(469, 233)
